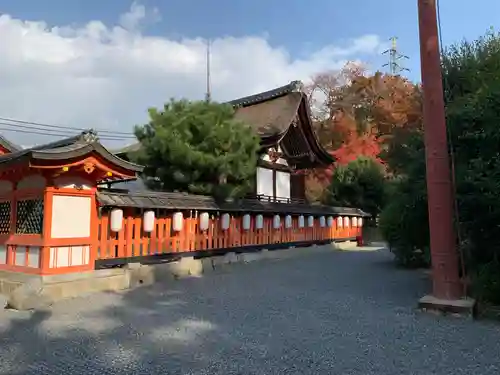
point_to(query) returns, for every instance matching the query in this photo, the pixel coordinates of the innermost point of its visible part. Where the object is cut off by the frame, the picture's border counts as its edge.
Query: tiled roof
(273, 116)
(67, 148)
(182, 201)
(270, 112)
(125, 150)
(11, 147)
(294, 86)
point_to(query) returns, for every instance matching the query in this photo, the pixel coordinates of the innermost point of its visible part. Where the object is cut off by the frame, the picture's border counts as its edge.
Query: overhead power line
(61, 126)
(30, 127)
(57, 133)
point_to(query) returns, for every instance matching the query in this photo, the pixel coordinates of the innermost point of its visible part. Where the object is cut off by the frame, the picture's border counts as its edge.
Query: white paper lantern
(346, 221)
(288, 221)
(116, 220)
(301, 221)
(225, 221)
(246, 222)
(322, 221)
(177, 221)
(310, 221)
(340, 222)
(148, 221)
(259, 222)
(360, 222)
(204, 221)
(354, 222)
(329, 221)
(276, 221)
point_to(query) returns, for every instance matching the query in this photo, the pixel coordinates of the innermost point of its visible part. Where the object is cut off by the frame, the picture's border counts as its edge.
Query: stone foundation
(26, 292)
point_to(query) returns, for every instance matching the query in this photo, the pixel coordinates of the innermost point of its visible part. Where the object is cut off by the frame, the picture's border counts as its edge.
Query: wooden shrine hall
(69, 206)
(281, 118)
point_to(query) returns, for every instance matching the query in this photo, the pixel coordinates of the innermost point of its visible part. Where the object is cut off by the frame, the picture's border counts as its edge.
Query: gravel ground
(328, 313)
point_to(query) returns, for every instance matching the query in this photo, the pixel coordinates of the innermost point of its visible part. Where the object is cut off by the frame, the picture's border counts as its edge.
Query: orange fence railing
(133, 241)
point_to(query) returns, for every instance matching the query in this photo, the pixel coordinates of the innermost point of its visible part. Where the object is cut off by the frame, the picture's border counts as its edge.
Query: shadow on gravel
(120, 333)
(339, 313)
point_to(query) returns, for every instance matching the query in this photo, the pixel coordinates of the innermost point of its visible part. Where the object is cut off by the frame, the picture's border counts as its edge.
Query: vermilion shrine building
(62, 213)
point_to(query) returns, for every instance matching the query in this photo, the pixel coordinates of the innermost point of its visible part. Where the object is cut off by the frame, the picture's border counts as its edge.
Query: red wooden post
(446, 282)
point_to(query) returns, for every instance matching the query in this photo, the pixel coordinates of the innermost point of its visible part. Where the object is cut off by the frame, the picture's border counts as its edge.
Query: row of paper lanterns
(148, 222)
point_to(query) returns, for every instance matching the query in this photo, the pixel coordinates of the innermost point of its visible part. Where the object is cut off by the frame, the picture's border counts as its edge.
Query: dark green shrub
(404, 224)
(361, 184)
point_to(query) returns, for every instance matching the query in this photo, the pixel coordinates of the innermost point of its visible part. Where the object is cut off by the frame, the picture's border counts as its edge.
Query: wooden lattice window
(29, 216)
(5, 217)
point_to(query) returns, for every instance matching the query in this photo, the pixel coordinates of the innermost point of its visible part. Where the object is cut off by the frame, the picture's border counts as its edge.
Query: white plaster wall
(3, 254)
(72, 183)
(264, 181)
(66, 256)
(6, 186)
(283, 185)
(71, 216)
(34, 257)
(32, 182)
(20, 256)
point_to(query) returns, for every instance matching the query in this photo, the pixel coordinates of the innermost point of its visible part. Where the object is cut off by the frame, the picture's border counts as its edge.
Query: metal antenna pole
(208, 95)
(394, 57)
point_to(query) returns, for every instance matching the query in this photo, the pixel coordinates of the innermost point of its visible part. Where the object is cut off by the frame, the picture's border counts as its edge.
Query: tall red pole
(446, 281)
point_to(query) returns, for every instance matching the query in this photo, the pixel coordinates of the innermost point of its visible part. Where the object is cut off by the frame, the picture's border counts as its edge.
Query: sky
(101, 64)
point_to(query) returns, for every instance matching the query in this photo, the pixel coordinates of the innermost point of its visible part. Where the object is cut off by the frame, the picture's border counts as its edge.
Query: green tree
(471, 76)
(361, 183)
(198, 147)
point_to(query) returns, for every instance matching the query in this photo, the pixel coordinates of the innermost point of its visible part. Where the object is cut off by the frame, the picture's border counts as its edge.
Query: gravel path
(328, 313)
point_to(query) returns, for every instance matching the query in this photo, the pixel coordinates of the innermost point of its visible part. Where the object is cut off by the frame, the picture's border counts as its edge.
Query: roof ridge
(10, 146)
(86, 136)
(293, 86)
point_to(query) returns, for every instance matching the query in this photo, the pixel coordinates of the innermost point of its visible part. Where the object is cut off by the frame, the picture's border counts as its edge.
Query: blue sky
(101, 64)
(294, 24)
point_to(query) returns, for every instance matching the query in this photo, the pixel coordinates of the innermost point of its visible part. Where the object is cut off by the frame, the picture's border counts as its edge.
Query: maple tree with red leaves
(355, 114)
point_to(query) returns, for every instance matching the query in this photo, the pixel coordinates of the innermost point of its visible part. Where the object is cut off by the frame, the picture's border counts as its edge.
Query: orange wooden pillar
(70, 228)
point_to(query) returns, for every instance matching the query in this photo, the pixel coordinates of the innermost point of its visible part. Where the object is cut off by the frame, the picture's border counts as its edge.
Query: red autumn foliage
(355, 115)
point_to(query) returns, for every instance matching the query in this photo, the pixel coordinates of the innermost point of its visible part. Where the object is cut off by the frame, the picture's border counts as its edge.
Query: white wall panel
(283, 185)
(70, 216)
(264, 181)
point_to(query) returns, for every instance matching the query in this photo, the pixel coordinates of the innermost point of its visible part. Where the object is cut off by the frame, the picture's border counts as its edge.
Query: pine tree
(198, 147)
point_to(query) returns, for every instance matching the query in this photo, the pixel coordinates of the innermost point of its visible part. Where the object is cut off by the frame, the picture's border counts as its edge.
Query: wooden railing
(272, 199)
(131, 241)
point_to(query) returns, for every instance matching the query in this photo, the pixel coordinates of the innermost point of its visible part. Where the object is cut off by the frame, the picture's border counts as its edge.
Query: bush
(404, 224)
(361, 184)
(486, 282)
(471, 74)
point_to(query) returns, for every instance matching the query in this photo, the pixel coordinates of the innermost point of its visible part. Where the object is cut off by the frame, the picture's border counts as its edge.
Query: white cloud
(106, 76)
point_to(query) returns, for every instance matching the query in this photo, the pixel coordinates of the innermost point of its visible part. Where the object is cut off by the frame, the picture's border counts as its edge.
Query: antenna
(394, 58)
(208, 95)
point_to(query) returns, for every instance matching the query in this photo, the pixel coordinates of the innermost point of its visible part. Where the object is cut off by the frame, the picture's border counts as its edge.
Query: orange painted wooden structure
(30, 181)
(132, 241)
(51, 221)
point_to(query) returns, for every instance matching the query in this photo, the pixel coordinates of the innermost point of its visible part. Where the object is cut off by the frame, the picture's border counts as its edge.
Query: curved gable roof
(68, 148)
(273, 112)
(270, 112)
(8, 145)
